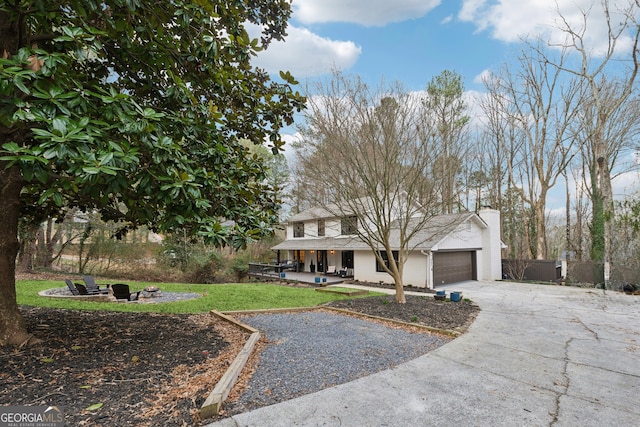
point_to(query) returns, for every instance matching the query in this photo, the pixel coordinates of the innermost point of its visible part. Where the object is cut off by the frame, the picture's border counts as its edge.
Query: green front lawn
(227, 297)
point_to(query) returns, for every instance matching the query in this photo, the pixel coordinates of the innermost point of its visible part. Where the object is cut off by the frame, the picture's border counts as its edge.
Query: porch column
(429, 278)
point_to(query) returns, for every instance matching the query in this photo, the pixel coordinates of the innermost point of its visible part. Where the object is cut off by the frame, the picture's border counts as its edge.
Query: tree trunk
(27, 248)
(526, 234)
(541, 229)
(603, 209)
(48, 244)
(12, 326)
(606, 198)
(567, 225)
(578, 230)
(395, 270)
(397, 278)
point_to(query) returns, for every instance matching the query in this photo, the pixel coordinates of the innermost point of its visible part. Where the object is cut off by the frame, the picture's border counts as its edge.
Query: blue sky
(412, 41)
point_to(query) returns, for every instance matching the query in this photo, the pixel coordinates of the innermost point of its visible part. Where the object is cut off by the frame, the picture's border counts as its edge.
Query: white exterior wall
(362, 270)
(468, 236)
(364, 266)
(332, 228)
(419, 267)
(480, 264)
(311, 229)
(491, 263)
(415, 270)
(334, 259)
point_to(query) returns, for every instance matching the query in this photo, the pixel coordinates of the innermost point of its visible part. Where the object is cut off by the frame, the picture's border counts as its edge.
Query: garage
(453, 267)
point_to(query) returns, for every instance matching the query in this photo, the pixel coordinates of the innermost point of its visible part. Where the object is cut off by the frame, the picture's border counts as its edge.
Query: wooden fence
(573, 272)
(531, 269)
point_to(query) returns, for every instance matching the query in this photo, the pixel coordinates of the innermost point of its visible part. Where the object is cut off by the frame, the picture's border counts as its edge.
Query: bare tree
(595, 66)
(498, 147)
(620, 132)
(541, 105)
(369, 154)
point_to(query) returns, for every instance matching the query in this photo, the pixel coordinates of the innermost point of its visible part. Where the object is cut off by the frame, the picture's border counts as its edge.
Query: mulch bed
(144, 369)
(119, 369)
(422, 310)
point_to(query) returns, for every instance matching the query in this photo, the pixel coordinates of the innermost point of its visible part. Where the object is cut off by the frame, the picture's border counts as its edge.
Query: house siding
(479, 234)
(331, 229)
(470, 236)
(491, 263)
(414, 269)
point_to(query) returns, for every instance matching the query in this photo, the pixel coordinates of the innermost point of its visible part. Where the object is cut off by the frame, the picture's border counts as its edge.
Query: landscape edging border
(220, 392)
(447, 332)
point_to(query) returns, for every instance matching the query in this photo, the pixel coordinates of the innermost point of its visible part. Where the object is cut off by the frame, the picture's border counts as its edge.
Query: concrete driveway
(535, 356)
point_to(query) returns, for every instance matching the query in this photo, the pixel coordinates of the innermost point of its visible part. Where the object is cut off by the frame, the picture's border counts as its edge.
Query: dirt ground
(141, 369)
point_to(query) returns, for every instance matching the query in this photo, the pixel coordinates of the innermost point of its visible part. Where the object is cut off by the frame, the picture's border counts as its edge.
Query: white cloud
(513, 20)
(484, 76)
(305, 54)
(626, 184)
(289, 139)
(364, 12)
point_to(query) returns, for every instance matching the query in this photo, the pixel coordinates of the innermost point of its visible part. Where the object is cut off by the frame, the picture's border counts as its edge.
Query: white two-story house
(447, 249)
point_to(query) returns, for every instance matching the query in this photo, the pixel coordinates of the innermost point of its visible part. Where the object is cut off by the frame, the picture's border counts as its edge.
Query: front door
(347, 264)
(322, 261)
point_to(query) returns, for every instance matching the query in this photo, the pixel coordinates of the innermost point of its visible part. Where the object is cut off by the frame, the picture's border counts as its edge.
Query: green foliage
(597, 228)
(240, 266)
(205, 267)
(135, 110)
(630, 214)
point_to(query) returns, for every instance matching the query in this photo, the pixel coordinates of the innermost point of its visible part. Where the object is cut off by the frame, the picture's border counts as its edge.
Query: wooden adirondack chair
(92, 287)
(122, 291)
(72, 287)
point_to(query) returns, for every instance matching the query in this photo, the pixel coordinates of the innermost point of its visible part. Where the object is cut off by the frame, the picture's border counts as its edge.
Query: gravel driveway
(310, 351)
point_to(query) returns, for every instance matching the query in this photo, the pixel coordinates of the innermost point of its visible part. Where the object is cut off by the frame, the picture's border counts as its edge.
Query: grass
(227, 297)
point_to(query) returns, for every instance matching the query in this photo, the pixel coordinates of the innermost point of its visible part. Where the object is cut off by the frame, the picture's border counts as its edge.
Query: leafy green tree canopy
(135, 109)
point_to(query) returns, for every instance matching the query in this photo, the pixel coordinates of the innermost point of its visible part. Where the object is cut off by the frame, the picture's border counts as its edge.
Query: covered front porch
(327, 255)
(278, 272)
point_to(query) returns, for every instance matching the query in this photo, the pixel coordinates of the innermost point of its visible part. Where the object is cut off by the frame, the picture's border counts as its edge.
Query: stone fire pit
(154, 296)
(150, 292)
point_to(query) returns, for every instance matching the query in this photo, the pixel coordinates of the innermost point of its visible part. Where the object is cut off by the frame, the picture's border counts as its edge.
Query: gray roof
(322, 243)
(432, 233)
(438, 228)
(309, 214)
(332, 210)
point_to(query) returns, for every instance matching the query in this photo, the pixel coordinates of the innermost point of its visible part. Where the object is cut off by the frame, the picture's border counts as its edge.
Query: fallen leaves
(108, 368)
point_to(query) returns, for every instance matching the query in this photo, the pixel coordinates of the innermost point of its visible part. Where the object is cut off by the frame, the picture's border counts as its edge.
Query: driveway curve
(536, 355)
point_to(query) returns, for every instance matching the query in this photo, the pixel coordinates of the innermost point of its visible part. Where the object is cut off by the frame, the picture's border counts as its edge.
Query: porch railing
(265, 270)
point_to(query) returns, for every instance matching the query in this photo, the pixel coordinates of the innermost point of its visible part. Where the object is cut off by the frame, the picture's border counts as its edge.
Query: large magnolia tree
(134, 110)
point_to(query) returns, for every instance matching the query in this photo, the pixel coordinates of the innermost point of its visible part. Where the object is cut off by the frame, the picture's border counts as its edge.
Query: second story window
(320, 227)
(298, 229)
(349, 225)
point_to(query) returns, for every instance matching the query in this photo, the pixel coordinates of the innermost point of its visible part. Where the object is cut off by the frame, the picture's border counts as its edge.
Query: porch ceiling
(328, 243)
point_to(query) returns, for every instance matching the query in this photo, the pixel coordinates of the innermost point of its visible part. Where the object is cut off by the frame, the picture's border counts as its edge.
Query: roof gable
(439, 228)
